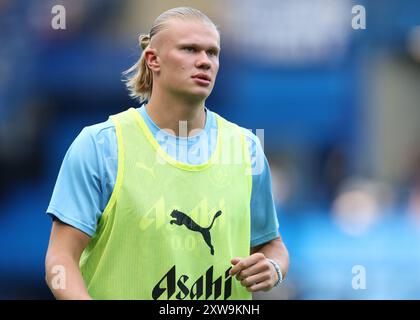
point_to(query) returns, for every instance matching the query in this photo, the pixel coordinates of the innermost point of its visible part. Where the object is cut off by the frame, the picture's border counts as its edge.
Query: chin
(199, 94)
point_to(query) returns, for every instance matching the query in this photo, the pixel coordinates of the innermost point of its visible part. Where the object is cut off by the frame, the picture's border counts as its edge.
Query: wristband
(278, 271)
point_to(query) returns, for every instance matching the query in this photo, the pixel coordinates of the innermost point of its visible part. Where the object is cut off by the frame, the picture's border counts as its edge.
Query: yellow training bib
(170, 229)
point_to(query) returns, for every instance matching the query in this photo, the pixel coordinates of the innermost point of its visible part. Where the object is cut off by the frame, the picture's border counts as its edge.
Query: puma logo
(144, 167)
(181, 218)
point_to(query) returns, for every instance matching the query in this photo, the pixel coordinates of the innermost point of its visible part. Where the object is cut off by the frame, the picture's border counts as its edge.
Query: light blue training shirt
(89, 169)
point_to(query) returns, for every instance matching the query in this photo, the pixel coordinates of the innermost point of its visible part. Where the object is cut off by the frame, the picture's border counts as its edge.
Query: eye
(190, 49)
(212, 53)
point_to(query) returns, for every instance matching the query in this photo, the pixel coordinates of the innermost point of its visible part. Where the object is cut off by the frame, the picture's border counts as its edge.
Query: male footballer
(168, 200)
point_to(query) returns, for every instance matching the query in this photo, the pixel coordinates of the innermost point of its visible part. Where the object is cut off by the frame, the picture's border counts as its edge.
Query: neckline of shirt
(155, 128)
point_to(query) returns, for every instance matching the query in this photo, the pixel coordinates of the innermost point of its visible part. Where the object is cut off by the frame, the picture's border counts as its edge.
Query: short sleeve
(264, 222)
(76, 199)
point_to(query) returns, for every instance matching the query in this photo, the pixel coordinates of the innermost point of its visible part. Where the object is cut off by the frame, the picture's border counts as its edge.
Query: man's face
(188, 57)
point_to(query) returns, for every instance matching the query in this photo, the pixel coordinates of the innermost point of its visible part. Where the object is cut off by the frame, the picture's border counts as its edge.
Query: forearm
(64, 278)
(277, 251)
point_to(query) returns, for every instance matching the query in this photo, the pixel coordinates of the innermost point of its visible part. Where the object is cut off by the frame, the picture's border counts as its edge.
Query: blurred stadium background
(340, 109)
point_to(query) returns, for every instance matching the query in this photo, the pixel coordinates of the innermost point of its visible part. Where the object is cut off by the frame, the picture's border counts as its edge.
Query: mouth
(202, 79)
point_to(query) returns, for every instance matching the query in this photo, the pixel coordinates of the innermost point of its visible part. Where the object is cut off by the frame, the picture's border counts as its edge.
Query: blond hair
(139, 78)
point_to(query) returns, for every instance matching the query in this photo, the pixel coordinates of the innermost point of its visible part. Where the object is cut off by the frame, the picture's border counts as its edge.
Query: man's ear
(152, 60)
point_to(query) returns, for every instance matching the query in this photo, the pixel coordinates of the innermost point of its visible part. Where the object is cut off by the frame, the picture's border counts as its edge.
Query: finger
(247, 262)
(262, 286)
(259, 267)
(234, 262)
(257, 278)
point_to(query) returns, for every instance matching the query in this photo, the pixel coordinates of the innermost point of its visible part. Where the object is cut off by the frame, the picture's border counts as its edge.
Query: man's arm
(62, 272)
(256, 272)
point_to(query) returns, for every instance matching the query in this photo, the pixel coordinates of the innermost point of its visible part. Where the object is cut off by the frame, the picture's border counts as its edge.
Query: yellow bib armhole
(248, 163)
(120, 171)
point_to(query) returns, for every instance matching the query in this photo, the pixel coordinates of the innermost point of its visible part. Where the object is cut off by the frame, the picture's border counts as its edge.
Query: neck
(176, 115)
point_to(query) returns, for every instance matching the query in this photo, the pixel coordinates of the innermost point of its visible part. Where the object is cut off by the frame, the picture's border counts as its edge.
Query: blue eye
(189, 49)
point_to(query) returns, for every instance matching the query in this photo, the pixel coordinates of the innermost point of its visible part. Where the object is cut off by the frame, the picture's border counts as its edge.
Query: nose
(203, 61)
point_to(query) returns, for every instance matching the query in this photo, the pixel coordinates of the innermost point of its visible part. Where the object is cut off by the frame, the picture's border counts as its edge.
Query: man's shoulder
(252, 138)
(103, 133)
(99, 131)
